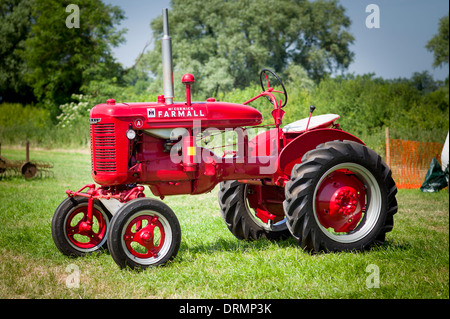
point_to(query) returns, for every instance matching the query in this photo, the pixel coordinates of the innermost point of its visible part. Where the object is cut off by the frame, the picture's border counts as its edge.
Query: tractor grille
(103, 147)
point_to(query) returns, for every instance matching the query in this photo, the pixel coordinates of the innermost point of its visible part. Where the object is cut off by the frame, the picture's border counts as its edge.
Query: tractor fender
(293, 152)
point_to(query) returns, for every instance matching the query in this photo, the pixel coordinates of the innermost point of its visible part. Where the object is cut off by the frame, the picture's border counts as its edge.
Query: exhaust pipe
(166, 51)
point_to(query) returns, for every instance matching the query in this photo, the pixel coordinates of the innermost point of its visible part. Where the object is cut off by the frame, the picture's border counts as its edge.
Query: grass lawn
(212, 263)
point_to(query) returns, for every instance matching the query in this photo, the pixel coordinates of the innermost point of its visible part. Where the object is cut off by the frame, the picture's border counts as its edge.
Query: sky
(395, 48)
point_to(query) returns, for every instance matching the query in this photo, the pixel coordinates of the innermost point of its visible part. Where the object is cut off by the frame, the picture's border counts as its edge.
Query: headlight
(131, 134)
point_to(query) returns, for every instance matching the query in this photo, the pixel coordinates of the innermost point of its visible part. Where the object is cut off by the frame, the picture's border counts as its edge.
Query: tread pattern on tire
(234, 213)
(300, 189)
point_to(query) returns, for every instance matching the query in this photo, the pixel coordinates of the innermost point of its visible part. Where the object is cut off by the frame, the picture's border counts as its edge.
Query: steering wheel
(264, 79)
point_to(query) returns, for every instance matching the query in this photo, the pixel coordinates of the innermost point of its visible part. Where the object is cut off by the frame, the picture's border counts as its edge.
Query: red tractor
(309, 179)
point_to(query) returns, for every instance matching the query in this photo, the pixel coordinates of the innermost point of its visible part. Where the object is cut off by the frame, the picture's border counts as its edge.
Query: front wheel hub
(146, 237)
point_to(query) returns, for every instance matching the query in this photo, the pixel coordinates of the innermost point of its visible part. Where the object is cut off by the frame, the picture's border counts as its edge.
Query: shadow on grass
(395, 245)
(233, 245)
(222, 245)
(17, 176)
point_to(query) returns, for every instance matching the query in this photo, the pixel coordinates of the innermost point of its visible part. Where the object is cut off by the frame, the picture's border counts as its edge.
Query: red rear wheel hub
(340, 201)
(344, 201)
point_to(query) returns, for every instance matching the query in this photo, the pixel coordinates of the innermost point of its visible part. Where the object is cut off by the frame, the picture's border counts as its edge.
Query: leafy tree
(423, 81)
(368, 104)
(439, 43)
(59, 59)
(226, 43)
(15, 25)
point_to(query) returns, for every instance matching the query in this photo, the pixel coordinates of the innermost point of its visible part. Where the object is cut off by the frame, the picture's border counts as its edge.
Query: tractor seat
(319, 121)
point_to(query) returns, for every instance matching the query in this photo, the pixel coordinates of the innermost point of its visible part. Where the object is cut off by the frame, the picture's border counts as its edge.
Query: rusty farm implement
(26, 168)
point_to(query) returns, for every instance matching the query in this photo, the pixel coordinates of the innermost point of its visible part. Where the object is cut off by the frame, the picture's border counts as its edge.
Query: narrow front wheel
(73, 233)
(144, 232)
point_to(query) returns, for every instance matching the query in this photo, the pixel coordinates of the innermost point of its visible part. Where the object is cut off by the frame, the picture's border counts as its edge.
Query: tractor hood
(149, 115)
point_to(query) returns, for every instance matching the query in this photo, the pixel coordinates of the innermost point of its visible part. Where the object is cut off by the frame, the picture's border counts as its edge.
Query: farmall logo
(177, 111)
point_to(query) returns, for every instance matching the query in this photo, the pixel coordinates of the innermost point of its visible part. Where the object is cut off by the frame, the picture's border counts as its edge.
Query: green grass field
(212, 263)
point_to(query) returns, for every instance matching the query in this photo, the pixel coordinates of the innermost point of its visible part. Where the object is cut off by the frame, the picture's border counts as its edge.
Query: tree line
(223, 42)
(65, 71)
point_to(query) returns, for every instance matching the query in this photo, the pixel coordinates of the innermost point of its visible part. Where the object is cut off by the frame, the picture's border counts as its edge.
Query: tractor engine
(134, 142)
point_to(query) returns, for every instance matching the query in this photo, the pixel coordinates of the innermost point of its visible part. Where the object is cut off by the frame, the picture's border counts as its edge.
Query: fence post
(388, 147)
(27, 152)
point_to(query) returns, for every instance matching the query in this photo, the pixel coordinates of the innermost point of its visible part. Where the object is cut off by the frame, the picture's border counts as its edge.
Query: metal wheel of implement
(28, 170)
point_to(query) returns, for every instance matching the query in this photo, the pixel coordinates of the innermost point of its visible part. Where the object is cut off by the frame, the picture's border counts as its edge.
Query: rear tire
(240, 218)
(340, 198)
